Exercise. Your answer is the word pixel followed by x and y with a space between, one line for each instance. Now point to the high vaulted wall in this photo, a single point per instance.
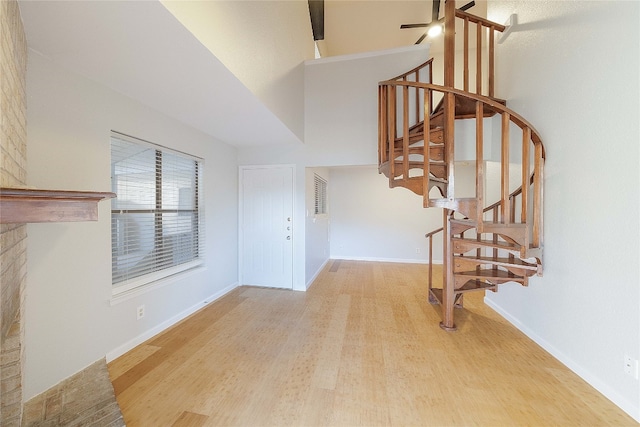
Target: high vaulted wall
pixel 263 43
pixel 579 87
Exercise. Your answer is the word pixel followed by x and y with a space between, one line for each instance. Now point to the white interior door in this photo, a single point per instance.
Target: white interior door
pixel 266 221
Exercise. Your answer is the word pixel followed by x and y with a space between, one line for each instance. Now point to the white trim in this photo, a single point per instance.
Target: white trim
pixel 629 407
pixel 136 341
pixel 132 287
pixel 372 54
pixel 317 273
pixel 375 259
pixel 152 145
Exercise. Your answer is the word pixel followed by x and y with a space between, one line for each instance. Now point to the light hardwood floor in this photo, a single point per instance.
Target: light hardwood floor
pixel 361 348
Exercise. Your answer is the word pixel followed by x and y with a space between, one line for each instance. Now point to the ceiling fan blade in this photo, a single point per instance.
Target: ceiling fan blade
pixel 434 18
pixel 435 14
pixel 422 25
pixel 468 6
pixel 316 13
pixel 435 11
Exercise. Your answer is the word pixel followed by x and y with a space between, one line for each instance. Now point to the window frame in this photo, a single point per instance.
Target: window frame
pixel 157 277
pixel 320 195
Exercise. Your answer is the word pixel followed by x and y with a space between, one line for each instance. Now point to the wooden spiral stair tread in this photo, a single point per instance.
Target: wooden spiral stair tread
pixel 499 261
pixel 462 245
pixel 476 285
pixel 417 138
pixel 500 276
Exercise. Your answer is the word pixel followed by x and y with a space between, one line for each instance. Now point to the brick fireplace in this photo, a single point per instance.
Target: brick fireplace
pixel 87 397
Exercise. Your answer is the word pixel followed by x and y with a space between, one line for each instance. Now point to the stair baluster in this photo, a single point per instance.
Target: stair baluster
pixel 422 156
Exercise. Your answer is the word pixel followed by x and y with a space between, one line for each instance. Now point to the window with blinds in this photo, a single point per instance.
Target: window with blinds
pixel 320 186
pixel 157 216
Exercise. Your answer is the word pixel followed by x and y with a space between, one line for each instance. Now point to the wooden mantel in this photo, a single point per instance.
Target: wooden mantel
pixel 23 205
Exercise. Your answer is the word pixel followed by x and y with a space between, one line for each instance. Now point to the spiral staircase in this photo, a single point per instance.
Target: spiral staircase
pixel 485 243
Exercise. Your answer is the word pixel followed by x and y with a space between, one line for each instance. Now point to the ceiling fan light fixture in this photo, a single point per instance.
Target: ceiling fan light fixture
pixel 435 31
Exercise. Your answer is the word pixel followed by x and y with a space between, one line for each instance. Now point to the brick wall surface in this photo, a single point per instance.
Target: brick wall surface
pixel 13 159
pixel 13 270
pixel 11 377
pixel 13 123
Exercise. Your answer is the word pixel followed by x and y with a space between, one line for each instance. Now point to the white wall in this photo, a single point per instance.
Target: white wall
pixel 317 226
pixel 341 104
pixel 330 139
pixel 578 85
pixel 69 320
pixel 341 130
pixel 262 43
pixel 371 221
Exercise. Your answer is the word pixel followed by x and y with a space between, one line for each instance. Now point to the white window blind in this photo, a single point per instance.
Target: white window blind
pixel 157 217
pixel 320 195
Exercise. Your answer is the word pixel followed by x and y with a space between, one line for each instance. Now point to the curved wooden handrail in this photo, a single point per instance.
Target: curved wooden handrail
pixel 478 20
pixel 516 193
pixel 434 232
pixel 416 69
pixel 520 121
pixel 483 103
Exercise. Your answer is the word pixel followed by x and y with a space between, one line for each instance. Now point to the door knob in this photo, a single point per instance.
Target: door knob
pixel 288 237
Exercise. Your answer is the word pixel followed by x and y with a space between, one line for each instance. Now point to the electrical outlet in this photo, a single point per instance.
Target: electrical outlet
pixel 417 250
pixel 629 367
pixel 140 312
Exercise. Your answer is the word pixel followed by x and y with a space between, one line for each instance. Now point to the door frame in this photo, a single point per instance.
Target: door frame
pixel 241 169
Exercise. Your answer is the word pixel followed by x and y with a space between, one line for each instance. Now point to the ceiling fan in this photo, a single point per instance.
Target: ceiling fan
pixel 435 22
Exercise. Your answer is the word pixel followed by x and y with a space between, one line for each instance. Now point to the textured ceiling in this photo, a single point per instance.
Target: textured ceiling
pixel 355 26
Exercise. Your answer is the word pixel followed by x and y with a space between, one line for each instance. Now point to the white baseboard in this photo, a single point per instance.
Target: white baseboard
pixel 633 409
pixel 310 281
pixel 375 259
pixel 122 349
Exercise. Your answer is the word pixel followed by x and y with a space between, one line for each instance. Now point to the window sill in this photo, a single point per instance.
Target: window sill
pixel 144 284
